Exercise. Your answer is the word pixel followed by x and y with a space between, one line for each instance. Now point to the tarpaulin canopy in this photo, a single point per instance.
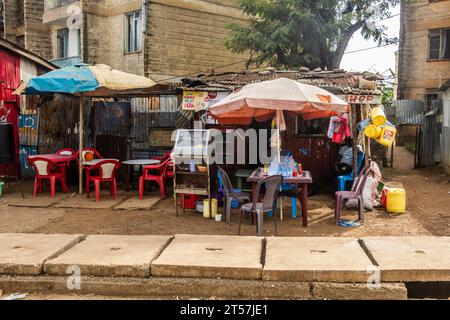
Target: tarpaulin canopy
pixel 85 80
pixel 263 100
pixel 96 80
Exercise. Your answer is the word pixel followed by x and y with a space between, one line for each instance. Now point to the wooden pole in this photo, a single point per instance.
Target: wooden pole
pixel 355 139
pixel 80 147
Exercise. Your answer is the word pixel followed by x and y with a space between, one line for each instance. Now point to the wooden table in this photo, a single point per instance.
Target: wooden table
pixel 136 162
pixel 301 181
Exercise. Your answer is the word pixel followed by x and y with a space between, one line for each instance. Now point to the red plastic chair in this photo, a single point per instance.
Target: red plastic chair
pixel 160 179
pixel 106 173
pixel 97 154
pixel 69 152
pixel 66 151
pixel 88 170
pixel 164 157
pixel 169 170
pixel 48 169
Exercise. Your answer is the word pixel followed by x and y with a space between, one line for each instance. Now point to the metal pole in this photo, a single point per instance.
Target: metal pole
pixel 80 147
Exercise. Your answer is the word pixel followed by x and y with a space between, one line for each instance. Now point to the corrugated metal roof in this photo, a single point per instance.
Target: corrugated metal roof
pixel 337 81
pixel 5 44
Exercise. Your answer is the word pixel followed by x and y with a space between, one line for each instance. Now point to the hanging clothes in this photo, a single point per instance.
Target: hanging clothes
pixel 341 129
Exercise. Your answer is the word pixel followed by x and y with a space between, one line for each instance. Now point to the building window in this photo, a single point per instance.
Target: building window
pixel 78 42
pixel 431 99
pixel 133 32
pixel 62 38
pixel 312 127
pixel 20 40
pixel 439 44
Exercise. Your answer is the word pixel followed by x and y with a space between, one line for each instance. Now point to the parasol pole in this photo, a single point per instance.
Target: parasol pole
pixel 278 124
pixel 80 147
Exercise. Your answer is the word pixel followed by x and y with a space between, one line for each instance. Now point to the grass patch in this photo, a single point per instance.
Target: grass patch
pixel 410 146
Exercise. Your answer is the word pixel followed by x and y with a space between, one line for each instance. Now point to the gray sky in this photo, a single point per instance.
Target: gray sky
pixel 379 59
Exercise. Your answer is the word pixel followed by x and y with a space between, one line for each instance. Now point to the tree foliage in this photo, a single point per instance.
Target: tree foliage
pixel 311 33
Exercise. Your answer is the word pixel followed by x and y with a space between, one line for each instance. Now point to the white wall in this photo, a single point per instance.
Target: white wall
pixel 445 137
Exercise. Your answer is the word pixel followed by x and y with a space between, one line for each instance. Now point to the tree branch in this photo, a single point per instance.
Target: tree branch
pixel 342 46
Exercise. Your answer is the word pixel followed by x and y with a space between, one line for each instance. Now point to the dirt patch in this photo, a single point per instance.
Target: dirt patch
pixel 428 213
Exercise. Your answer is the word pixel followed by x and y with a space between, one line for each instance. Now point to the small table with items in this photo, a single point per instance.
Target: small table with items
pixel 129 172
pixel 240 175
pixel 302 180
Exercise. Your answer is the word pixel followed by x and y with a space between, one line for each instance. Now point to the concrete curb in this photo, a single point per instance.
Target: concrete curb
pixel 205 288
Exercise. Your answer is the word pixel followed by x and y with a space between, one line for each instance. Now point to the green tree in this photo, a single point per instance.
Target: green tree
pixel 311 33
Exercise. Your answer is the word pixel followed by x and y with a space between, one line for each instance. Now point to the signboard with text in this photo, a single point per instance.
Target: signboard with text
pixel 361 99
pixel 201 100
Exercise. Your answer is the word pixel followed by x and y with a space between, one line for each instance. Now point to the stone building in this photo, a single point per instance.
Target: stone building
pixel 424 55
pixel 162 39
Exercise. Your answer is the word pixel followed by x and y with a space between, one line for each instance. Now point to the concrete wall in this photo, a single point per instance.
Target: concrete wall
pixel 183 36
pixel 10 22
pixel 445 136
pixel 186 37
pixel 417 74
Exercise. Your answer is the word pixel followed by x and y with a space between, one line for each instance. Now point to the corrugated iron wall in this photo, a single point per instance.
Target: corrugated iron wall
pixel 429 147
pixel 153 120
pixel 111 129
pixel 9 103
pixel 28 137
pixel 316 154
pixel 445 136
pixel 409 111
pixel 59 123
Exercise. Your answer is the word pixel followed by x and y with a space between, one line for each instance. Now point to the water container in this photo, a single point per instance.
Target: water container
pixel 363 124
pixel 206 208
pixel 7 152
pixel 396 200
pixel 372 131
pixel 378 117
pixel 387 136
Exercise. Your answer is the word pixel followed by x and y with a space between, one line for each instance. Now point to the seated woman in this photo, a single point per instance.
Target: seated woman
pixel 344 165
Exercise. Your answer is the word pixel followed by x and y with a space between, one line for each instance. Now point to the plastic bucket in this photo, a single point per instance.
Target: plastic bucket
pixel 378 117
pixel 396 200
pixel 372 131
pixel 1 187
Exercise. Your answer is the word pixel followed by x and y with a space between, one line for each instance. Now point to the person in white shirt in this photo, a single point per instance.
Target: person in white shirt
pixel 345 160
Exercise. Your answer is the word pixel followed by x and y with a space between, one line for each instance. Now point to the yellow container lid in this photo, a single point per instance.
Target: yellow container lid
pixel 378 117
pixel 372 131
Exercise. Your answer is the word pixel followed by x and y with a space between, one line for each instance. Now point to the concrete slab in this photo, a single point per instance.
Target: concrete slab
pixel 82 202
pixel 315 259
pixel 42 200
pixel 411 258
pixel 104 255
pixel 210 256
pixel 25 254
pixel 135 203
pixel 359 291
pixel 161 288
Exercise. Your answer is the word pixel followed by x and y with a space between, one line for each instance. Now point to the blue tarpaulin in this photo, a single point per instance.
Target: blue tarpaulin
pixel 72 79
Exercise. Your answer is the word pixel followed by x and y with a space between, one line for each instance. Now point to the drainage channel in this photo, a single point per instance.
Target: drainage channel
pixel 428 290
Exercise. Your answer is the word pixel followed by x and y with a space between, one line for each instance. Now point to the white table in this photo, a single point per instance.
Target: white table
pixel 136 162
pixel 93 162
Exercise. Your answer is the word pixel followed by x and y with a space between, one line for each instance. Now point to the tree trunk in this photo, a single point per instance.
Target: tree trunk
pixel 342 46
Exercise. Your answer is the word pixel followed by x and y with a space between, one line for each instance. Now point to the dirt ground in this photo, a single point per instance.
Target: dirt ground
pixel 428 213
